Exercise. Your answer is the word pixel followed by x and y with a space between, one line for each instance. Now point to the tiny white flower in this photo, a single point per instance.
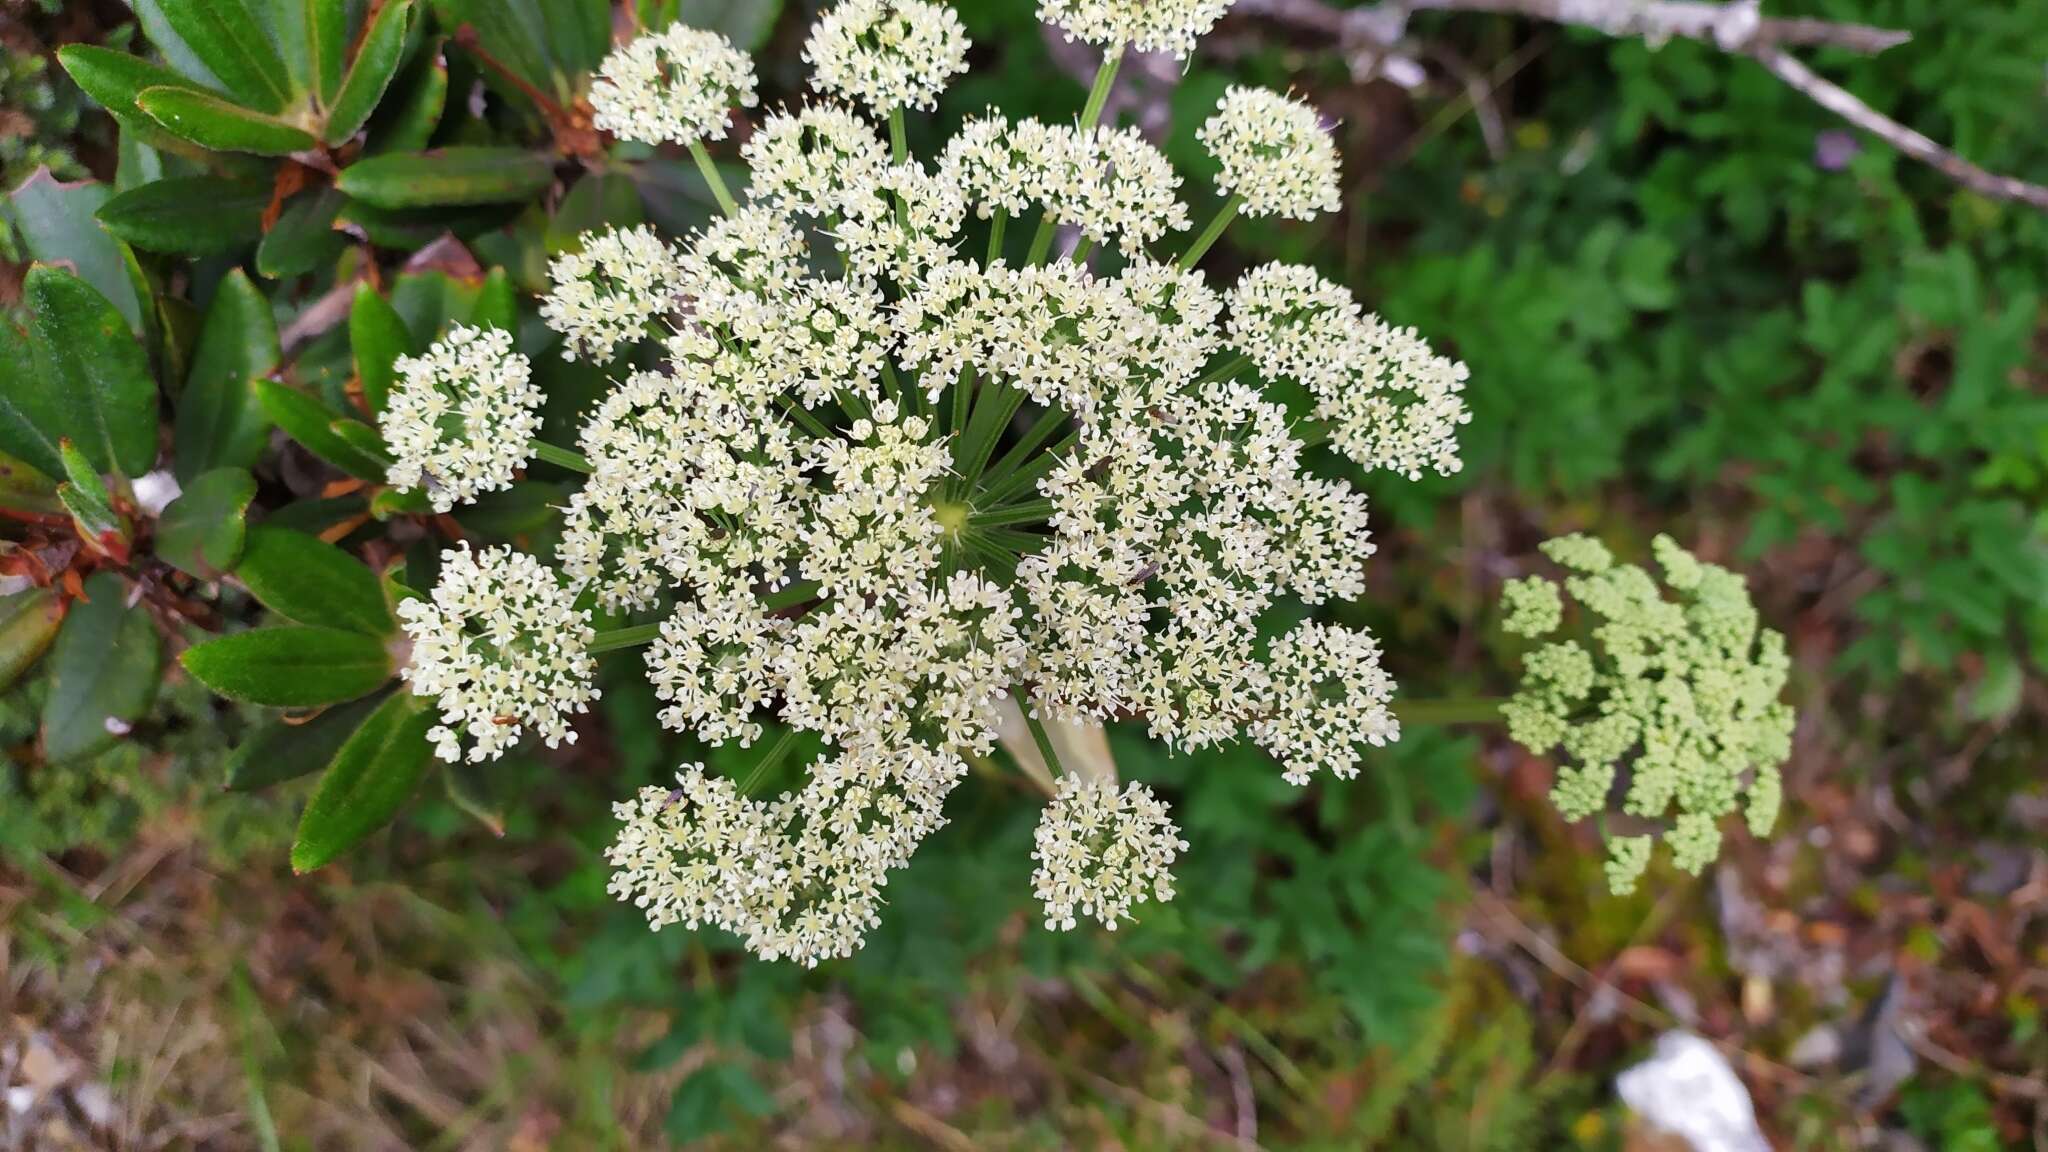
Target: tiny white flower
pixel 610 292
pixel 1274 153
pixel 672 87
pixel 461 419
pixel 502 648
pixel 887 54
pixel 1101 851
pixel 1170 26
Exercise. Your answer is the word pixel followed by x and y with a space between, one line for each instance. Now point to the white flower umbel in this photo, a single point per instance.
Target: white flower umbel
pixel 502 648
pixel 814 161
pixel 611 291
pixel 672 87
pixel 1274 154
pixel 1390 401
pixel 1100 851
pixel 1327 696
pixel 461 418
pixel 1170 26
pixel 887 54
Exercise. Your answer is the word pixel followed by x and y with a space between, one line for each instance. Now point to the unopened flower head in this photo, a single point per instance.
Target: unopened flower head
pixel 461 419
pixel 1170 26
pixel 609 293
pixel 503 649
pixel 887 54
pixel 1683 691
pixel 1274 154
pixel 1101 850
pixel 672 87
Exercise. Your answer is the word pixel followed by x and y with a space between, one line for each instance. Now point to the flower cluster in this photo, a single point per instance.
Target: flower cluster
pixel 899 463
pixel 502 647
pixel 673 87
pixel 1100 850
pixel 460 420
pixel 1273 153
pixel 1681 695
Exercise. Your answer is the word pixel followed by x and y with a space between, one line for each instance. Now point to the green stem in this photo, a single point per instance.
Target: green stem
pixel 618 638
pixel 995 236
pixel 1041 240
pixel 711 177
pixel 1225 370
pixel 561 457
pixel 1013 514
pixel 1098 94
pixel 776 755
pixel 803 416
pixel 1037 434
pixel 899 140
pixel 1224 216
pixel 1039 736
pixel 790 596
pixel 1000 492
pixel 1449 710
pixel 1080 253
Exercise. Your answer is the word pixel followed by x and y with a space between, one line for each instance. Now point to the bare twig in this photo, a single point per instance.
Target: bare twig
pixel 1736 27
pixel 1837 99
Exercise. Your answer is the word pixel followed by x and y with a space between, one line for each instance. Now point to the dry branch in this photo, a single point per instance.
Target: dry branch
pixel 1737 27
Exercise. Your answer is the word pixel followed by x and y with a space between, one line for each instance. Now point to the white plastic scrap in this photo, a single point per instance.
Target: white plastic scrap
pixel 1687 1089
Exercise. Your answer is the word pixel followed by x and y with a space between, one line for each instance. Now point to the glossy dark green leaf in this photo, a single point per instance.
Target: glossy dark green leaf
pixel 202 531
pixel 375 64
pixel 448 176
pixel 367 442
pixel 746 23
pixel 114 79
pixel 211 122
pixel 311 423
pixel 57 226
pixel 84 495
pixel 377 335
pixel 309 581
pixel 232 40
pixel 286 749
pixel 579 33
pixel 371 778
pixel 292 667
pixel 406 120
pixel 104 670
pixel 28 622
pixel 414 228
pixel 497 303
pixel 188 215
pixel 327 42
pixel 101 394
pixel 221 422
pixel 304 236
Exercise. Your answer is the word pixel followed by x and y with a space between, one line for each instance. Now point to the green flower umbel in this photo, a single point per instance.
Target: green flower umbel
pixel 1683 693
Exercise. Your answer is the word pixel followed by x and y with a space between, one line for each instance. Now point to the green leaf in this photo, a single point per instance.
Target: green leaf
pixel 412 110
pixel 232 41
pixel 448 176
pixel 510 30
pixel 23 488
pixel 497 304
pixel 376 62
pixel 103 671
pixel 579 33
pixel 28 622
pixel 364 440
pixel 304 236
pixel 286 750
pixel 221 422
pixel 311 423
pixel 599 200
pixel 373 775
pixel 746 23
pixel 309 581
pixel 211 122
pixel 30 421
pixel 378 337
pixel 292 667
pixel 327 40
pixel 202 532
pixel 57 226
pixel 101 395
pixel 114 79
pixel 85 496
pixel 188 215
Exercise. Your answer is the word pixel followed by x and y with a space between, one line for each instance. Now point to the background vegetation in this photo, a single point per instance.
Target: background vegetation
pixel 1691 301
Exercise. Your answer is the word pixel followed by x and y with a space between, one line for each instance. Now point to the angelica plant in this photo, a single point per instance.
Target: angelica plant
pixel 900 466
